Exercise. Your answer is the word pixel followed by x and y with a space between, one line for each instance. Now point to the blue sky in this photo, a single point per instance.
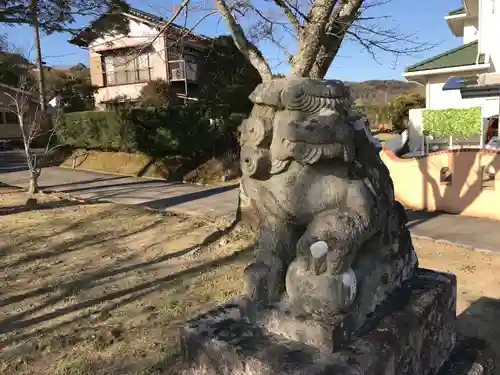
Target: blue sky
pixel 425 17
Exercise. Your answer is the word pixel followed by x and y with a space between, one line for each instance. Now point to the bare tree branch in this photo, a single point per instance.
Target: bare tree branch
pixel 33 122
pixel 249 50
pixel 287 8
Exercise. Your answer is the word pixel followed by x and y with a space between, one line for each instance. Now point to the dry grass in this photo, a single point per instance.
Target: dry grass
pixel 100 289
pixel 478 295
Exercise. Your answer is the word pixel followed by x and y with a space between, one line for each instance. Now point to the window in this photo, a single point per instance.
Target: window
pixel 11 118
pixel 7 117
pixel 445 176
pixel 122 69
pixel 488 177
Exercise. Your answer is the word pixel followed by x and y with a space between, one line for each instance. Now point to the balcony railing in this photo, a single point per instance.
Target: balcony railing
pixel 121 77
pixel 181 70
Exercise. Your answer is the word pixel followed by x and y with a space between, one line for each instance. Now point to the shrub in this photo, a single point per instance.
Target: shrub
pixel 157 93
pixel 400 109
pixel 94 129
pixel 452 122
pixel 188 130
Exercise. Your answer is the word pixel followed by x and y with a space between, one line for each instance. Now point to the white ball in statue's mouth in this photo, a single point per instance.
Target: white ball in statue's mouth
pixel 318 249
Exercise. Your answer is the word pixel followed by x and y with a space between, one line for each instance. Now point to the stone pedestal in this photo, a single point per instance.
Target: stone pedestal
pixel 411 333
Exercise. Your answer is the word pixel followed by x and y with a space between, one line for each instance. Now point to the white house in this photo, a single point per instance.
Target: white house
pixel 466 76
pixel 478 58
pixel 121 65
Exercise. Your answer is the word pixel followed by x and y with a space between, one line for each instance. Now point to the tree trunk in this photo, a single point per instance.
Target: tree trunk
pixel 33 189
pixel 32 165
pixel 39 62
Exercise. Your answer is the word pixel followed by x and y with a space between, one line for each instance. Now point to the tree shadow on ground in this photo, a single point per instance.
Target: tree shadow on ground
pixel 416 217
pixel 110 301
pixel 480 320
pixel 100 276
pixel 11 210
pixel 184 198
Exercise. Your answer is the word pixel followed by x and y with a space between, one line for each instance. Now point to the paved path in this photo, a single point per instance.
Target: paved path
pixel 219 201
pixel 480 234
pixel 158 194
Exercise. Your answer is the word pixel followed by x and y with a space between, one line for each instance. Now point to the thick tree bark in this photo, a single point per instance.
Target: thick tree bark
pixel 33 188
pixel 335 31
pixel 311 38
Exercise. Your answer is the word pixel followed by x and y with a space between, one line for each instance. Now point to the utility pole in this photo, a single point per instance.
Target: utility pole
pixel 39 62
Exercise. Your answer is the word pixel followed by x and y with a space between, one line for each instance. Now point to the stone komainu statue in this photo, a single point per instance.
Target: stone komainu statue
pixel 329 222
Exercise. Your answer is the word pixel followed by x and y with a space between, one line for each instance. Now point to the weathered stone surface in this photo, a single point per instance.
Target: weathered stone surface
pixel 411 333
pixel 331 240
pixel 381 271
pixel 335 287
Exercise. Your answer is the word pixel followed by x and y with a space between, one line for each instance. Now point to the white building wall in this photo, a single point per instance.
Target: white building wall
pixel 439 99
pixel 140 34
pixel 490 31
pixel 470 31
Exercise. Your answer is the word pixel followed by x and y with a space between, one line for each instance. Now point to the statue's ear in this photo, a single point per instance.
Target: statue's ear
pixel 255 131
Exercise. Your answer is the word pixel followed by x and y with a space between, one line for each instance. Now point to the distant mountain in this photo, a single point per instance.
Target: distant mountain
pixel 378 91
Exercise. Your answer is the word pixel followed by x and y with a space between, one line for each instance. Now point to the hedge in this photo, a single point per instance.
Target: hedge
pixel 182 130
pixel 452 122
pixel 94 130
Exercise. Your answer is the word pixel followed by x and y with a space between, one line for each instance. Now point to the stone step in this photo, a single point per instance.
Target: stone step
pixel 411 333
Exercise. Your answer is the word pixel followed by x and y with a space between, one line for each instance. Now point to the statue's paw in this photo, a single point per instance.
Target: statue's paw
pixel 256 282
pixel 322 294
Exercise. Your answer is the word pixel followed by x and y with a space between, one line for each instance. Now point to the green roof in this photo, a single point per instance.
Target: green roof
pixel 456 12
pixel 460 56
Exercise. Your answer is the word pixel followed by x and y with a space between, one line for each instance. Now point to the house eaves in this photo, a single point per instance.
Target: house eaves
pixel 462 58
pixel 87 35
pixel 456 12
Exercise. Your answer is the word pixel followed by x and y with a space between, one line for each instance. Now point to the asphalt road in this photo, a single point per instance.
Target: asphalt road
pixel 220 201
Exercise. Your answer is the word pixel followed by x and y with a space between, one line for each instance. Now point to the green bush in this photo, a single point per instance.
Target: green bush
pixel 94 130
pixel 452 122
pixel 156 131
pixel 400 109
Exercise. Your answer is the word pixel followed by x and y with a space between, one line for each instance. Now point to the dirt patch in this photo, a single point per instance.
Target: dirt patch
pixel 215 170
pixel 101 288
pixel 138 164
pixel 478 296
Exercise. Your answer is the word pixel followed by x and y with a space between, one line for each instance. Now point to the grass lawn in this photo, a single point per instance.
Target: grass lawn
pixel 102 288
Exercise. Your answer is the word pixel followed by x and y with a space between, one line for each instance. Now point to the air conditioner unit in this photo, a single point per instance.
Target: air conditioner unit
pixel 178 74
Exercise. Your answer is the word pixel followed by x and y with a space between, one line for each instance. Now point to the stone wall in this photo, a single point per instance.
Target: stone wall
pixel 463 182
